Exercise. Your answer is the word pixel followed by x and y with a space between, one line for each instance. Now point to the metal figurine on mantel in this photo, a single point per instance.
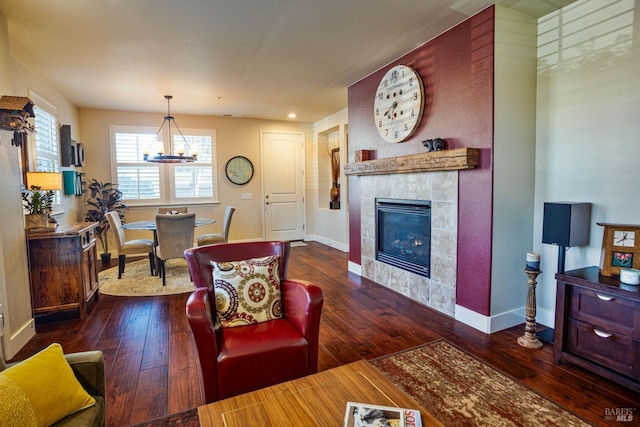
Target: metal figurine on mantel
pixel 435 144
pixel 532 269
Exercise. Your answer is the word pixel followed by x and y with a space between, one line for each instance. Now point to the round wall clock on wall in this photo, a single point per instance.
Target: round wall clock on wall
pixel 399 103
pixel 239 170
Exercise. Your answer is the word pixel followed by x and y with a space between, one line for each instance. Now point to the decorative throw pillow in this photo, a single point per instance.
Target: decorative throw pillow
pixel 41 390
pixel 247 291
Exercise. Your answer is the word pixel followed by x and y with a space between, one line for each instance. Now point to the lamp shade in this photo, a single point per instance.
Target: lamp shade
pixel 44 180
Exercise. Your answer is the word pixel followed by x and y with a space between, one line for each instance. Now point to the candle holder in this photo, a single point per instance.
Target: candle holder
pixel 529 339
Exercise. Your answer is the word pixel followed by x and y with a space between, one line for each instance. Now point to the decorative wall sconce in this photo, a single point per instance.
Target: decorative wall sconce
pixel 15 112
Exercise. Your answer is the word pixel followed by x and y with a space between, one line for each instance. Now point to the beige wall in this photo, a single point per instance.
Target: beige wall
pixel 587 149
pixel 234 136
pixel 15 296
pixel 330 227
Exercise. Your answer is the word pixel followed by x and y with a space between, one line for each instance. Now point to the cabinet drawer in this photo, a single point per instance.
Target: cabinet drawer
pixel 605 347
pixel 605 310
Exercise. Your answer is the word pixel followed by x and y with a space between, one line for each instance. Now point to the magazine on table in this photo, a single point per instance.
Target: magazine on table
pixel 367 415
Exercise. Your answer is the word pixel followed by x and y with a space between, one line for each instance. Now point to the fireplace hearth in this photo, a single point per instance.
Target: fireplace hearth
pixel 403 234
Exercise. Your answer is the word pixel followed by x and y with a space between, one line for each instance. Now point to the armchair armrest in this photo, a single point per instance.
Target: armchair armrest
pixel 201 321
pixel 88 368
pixel 302 307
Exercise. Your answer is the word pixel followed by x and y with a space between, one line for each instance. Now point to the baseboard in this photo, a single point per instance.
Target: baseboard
pixel 489 324
pixel 12 345
pixel 546 317
pixel 354 268
pixel 328 242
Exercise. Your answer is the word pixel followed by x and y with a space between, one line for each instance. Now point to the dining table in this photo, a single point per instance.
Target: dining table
pixel 150 225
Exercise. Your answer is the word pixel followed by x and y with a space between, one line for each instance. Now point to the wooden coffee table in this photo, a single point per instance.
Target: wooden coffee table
pixel 316 400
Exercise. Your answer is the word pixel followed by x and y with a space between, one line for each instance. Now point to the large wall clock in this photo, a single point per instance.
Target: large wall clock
pixel 239 170
pixel 399 103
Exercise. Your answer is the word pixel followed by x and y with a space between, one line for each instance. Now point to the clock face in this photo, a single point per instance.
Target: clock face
pixel 239 170
pixel 624 238
pixel 399 102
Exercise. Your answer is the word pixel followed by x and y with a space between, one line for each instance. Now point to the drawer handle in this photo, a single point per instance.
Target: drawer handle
pixel 604 297
pixel 601 334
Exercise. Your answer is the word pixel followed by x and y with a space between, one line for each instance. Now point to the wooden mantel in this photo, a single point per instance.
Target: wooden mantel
pixel 446 160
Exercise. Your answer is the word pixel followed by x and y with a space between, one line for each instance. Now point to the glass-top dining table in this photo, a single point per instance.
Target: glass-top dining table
pixel 150 225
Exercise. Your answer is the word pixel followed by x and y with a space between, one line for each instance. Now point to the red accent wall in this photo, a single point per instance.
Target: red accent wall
pixel 457 71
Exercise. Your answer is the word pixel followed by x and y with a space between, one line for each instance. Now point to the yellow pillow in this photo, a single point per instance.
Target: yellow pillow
pixel 41 390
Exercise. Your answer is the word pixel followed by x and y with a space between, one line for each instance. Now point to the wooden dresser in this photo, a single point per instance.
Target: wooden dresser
pixel 62 268
pixel 598 325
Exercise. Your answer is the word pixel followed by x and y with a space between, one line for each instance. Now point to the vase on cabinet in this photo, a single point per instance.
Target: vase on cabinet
pixel 334 195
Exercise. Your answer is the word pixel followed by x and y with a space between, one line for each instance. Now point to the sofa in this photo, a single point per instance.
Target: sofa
pixel 88 368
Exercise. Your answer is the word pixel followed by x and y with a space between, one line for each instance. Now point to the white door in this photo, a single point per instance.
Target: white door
pixel 283 181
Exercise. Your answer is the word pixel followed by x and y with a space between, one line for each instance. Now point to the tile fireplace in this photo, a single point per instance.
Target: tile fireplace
pixel 438 191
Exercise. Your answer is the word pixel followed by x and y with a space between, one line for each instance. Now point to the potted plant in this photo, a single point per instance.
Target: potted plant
pixel 104 197
pixel 38 203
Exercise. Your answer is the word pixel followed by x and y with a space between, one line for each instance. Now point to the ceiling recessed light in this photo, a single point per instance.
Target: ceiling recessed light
pixel 292 115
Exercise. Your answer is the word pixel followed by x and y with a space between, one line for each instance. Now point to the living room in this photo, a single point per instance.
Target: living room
pixel 580 114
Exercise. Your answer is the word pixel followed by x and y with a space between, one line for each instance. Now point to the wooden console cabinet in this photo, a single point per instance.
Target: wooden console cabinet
pixel 63 269
pixel 598 325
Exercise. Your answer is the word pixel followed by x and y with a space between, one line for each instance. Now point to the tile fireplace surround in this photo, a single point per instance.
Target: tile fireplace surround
pixel 441 188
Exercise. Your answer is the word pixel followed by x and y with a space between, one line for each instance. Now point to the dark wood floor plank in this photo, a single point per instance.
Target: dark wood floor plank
pixel 123 382
pixel 152 368
pixel 156 346
pixel 151 398
pixel 184 374
pixel 326 359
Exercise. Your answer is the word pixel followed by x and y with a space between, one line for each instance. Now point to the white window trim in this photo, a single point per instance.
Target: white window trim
pixel 43 104
pixel 166 177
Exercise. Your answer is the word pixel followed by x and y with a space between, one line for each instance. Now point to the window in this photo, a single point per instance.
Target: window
pixel 145 183
pixel 45 149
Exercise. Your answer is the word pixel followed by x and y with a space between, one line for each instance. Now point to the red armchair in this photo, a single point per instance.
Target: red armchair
pixel 245 358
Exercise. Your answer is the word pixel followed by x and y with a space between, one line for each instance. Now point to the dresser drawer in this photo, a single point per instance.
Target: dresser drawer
pixel 605 310
pixel 605 347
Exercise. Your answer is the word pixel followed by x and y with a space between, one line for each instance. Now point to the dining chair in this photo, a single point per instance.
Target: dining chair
pixel 129 247
pixel 175 235
pixel 173 210
pixel 211 239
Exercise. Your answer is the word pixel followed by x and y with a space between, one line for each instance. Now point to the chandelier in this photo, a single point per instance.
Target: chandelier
pixel 179 156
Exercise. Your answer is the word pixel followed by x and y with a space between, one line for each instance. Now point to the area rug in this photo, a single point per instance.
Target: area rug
pixel 136 280
pixel 459 390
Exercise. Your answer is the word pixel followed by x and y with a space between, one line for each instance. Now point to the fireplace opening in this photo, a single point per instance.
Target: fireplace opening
pixel 403 234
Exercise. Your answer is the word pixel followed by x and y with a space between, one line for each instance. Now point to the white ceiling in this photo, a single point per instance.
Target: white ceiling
pixel 248 58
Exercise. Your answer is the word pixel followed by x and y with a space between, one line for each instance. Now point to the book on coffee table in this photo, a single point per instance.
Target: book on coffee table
pixel 368 415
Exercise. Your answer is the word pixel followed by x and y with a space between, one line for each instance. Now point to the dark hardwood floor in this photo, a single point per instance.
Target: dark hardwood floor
pixel 152 367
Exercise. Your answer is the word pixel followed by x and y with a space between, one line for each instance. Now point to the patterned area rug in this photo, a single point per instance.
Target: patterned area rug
pixel 459 390
pixel 137 281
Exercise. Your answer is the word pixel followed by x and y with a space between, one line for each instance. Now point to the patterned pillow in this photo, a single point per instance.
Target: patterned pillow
pixel 247 291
